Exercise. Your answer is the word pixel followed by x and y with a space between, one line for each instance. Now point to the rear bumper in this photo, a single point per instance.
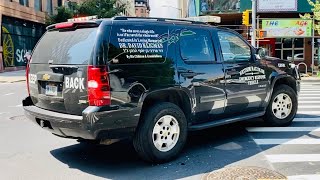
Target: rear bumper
pixel 93 124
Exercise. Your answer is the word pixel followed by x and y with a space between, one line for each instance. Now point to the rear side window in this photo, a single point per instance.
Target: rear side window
pixel 130 44
pixel 196 46
pixel 65 47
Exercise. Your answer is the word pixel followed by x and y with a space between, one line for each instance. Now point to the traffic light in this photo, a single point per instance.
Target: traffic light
pixel 246 17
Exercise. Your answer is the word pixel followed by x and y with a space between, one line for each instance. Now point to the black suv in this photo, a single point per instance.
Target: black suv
pixel 152 80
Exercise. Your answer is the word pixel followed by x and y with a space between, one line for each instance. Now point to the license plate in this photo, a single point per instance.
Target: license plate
pixel 51 90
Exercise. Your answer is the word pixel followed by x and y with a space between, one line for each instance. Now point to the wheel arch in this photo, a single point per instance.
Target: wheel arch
pixel 177 96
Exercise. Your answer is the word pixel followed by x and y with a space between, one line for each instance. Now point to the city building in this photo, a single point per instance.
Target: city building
pixel 22 24
pixel 282 45
pixel 183 7
pixel 130 7
pixel 142 8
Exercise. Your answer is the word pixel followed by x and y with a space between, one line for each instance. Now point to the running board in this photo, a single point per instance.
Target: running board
pixel 221 122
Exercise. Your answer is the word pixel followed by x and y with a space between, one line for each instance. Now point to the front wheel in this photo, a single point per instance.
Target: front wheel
pixel 161 134
pixel 282 107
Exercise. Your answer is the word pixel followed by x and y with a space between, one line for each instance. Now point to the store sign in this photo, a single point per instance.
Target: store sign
pixel 277 5
pixel 287 28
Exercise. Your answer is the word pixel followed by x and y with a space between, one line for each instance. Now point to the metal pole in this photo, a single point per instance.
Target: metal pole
pixel 258 27
pixel 254 23
pixel 312 68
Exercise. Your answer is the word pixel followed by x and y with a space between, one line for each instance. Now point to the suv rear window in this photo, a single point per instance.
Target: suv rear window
pixel 130 44
pixel 65 47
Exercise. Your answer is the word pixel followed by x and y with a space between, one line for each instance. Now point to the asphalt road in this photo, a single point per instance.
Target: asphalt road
pixel 28 152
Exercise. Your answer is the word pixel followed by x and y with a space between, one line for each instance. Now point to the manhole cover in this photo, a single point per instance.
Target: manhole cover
pixel 244 173
pixel 18 118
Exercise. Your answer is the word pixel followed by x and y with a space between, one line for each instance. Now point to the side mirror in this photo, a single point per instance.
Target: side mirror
pixel 27 57
pixel 261 52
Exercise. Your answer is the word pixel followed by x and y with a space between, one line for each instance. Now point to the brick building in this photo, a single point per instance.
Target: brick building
pixel 22 24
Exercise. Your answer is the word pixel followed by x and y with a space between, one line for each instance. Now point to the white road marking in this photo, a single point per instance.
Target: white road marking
pixel 304 177
pixel 20 105
pixel 309 102
pixel 306 120
pixel 309 106
pixel 310 98
pixel 281 158
pixel 283 129
pixel 8 94
pixel 309 112
pixel 300 141
pixel 309 94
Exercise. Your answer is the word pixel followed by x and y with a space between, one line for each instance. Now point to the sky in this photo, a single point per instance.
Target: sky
pixel 164 8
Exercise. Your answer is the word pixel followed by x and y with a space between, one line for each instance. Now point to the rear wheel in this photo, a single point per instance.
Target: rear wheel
pixel 282 107
pixel 161 134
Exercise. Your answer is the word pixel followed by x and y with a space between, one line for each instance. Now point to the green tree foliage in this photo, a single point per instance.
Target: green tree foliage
pixel 316 14
pixel 101 8
pixel 63 14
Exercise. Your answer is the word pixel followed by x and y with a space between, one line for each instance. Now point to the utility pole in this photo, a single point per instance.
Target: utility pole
pixel 254 23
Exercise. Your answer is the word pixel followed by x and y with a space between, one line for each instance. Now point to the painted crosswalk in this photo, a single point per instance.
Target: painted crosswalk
pixel 296 146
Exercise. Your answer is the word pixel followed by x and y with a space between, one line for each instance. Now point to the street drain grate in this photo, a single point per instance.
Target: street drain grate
pixel 244 173
pixel 18 118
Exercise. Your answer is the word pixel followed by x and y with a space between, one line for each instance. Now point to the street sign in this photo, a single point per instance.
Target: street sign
pixel 277 5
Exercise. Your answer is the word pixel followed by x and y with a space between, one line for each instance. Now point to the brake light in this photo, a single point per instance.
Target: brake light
pixel 27 77
pixel 64 25
pixel 98 86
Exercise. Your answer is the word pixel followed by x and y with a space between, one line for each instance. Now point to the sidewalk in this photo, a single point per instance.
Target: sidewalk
pixel 13 76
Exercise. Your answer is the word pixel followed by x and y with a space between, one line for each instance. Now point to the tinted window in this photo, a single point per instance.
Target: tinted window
pixel 196 46
pixel 138 44
pixel 65 47
pixel 234 49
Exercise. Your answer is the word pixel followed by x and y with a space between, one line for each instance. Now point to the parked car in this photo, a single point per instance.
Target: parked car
pixel 153 80
pixel 300 57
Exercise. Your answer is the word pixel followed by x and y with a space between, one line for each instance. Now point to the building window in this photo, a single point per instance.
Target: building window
pixel 142 11
pixel 38 5
pixel 59 3
pixel 24 2
pixel 49 7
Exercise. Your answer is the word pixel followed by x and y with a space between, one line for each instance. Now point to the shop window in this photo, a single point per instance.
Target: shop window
pixel 299 43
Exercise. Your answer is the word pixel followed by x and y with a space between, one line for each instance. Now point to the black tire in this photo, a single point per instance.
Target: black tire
pixel 143 139
pixel 270 118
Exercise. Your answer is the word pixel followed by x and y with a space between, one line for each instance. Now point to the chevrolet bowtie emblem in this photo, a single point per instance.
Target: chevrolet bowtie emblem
pixel 46 77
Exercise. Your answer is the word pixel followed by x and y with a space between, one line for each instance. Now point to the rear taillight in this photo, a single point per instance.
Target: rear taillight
pixel 27 77
pixel 98 86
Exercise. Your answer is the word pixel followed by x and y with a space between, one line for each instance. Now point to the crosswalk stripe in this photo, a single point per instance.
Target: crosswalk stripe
pixel 310 98
pixel 283 129
pixel 309 112
pixel 309 94
pixel 308 106
pixel 281 158
pixel 306 120
pixel 309 102
pixel 300 141
pixel 304 177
